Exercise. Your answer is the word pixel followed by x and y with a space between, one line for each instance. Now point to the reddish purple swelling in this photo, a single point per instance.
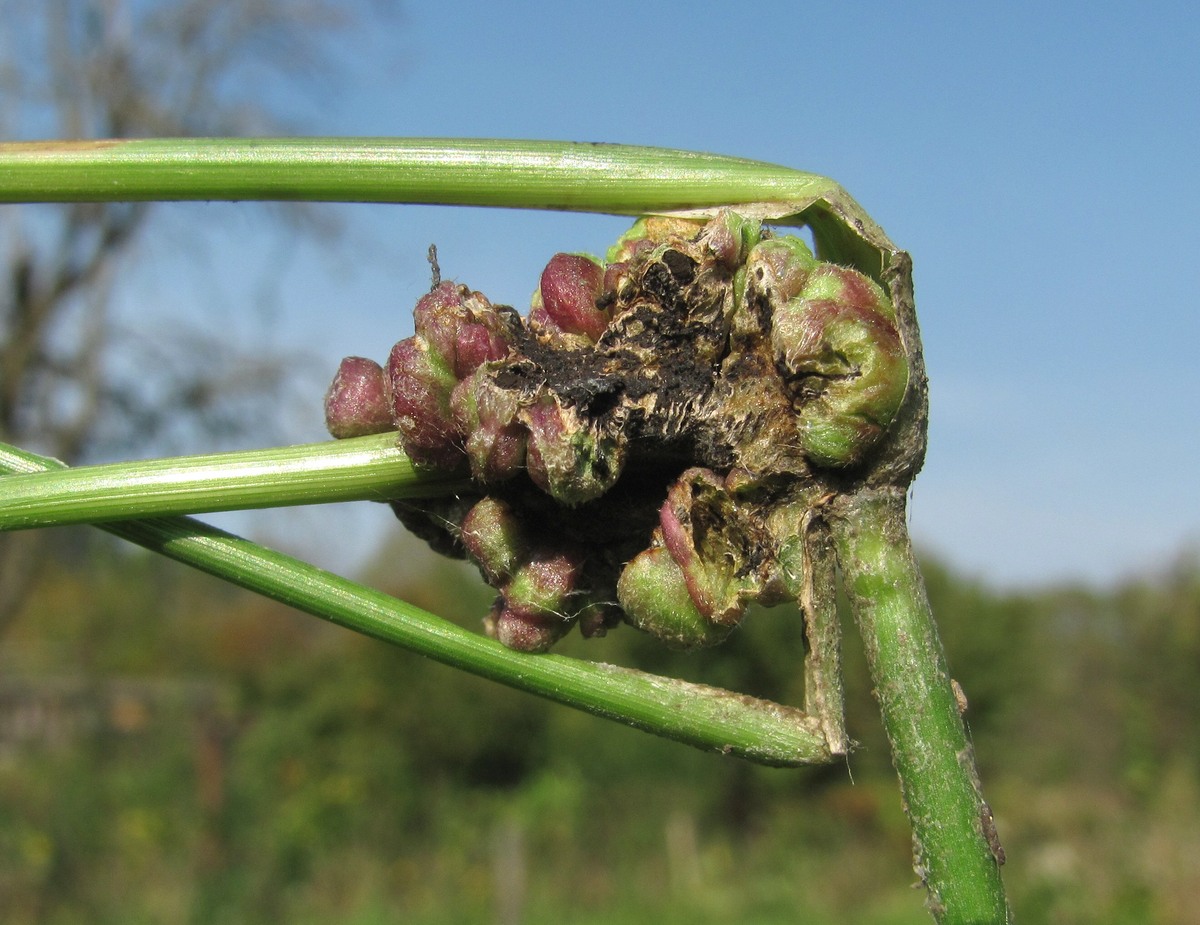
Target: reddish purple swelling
pixel 495 440
pixel 534 609
pixel 462 328
pixel 524 632
pixel 421 390
pixel 358 401
pixel 571 284
pixel 675 518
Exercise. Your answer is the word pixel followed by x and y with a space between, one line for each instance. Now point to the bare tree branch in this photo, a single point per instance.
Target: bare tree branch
pixel 127 68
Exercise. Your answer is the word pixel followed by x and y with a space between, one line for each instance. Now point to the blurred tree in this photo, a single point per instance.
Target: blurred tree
pixel 1159 671
pixel 128 68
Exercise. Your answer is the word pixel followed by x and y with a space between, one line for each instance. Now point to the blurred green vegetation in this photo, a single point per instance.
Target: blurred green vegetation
pixel 172 750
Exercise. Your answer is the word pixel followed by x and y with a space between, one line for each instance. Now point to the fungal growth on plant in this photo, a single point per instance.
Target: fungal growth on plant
pixel 643 445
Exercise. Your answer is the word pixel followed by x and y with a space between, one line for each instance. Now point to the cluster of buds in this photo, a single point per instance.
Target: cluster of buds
pixel 457 331
pixel 642 443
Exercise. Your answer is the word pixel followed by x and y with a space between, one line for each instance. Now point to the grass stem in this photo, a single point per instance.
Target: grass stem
pixel 361 468
pixel 706 717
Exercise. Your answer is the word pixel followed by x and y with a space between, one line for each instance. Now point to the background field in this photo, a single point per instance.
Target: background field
pixel 173 751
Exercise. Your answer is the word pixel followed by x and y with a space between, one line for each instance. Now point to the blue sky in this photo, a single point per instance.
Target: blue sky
pixel 1037 160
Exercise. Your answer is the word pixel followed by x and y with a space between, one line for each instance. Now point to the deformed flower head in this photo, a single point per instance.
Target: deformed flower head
pixel 634 441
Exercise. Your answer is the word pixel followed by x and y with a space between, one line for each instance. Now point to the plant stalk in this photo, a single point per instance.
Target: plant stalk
pixel 563 176
pixel 956 850
pixel 361 468
pixel 706 717
pixel 486 172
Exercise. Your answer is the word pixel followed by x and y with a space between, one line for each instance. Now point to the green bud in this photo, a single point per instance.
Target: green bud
pixel 493 537
pixel 837 346
pixel 654 594
pixel 779 267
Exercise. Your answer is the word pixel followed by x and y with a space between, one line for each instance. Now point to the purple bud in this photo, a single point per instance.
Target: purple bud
pixel 524 632
pixel 462 327
pixel 495 439
pixel 358 401
pixel 421 387
pixel 570 286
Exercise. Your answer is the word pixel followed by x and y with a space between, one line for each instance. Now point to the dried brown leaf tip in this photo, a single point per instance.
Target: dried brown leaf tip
pixel 644 443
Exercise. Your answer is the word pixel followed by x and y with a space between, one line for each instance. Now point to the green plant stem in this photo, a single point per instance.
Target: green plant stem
pixel 362 468
pixel 954 845
pixel 570 176
pixel 706 717
pixel 524 174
